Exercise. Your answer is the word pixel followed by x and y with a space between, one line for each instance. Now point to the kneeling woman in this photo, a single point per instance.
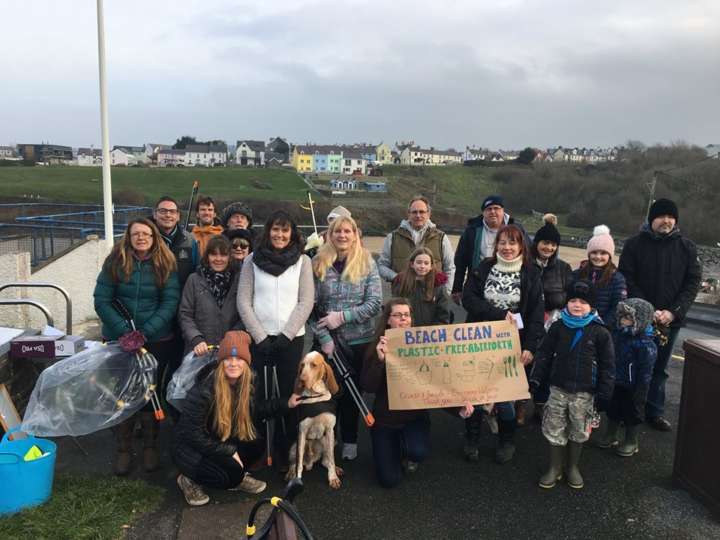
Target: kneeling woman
pixel 398 437
pixel 216 438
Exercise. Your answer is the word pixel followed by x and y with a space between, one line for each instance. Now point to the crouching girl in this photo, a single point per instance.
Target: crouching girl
pixel 216 438
pixel 577 358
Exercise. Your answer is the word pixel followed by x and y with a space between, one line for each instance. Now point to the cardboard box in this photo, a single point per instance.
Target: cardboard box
pixel 46 346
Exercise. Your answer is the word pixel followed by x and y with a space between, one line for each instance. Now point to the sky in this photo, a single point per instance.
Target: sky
pixel 502 74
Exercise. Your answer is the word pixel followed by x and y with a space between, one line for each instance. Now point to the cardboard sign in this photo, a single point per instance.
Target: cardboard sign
pixel 445 366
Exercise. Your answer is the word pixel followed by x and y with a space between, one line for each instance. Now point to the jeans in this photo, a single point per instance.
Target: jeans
pixel 656 393
pixel 391 445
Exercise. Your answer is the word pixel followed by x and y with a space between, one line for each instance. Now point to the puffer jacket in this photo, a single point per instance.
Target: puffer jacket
pixel 360 303
pixel 607 297
pixel 532 303
pixel 662 269
pixel 424 312
pixel 635 357
pixel 200 317
pixel 194 436
pixel 555 278
pixel 587 367
pixel 151 307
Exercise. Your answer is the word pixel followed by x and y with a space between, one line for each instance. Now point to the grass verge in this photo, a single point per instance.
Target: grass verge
pixel 84 507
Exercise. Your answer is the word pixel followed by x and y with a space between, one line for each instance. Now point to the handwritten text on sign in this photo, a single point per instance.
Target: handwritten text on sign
pixel 445 366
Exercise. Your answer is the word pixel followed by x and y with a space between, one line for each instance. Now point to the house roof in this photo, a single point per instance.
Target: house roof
pixel 89 152
pixel 172 151
pixel 130 149
pixel 256 146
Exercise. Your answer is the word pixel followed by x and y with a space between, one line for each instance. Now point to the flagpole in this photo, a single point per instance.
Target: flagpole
pixel 107 184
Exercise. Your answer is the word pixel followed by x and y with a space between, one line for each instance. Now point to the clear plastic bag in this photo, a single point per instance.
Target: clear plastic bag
pixel 185 376
pixel 92 390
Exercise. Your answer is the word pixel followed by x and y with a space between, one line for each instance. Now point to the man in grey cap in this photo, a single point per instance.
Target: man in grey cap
pixel 414 232
pixel 237 215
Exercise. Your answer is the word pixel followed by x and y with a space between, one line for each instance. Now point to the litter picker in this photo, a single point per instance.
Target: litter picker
pixel 341 370
pixel 193 194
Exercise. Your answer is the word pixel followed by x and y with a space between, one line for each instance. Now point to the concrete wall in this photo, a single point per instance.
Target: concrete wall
pixel 76 272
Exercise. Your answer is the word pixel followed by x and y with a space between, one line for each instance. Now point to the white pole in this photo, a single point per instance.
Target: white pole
pixel 107 184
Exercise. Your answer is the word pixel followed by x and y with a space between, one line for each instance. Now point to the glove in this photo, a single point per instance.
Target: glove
pixel 281 342
pixel 132 341
pixel 332 320
pixel 313 242
pixel 328 348
pixel 602 404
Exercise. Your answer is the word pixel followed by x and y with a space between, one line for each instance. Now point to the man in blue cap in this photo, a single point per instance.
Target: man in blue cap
pixel 478 240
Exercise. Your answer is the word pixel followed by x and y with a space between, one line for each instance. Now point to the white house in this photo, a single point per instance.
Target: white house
pixel 250 153
pixel 414 155
pixel 171 157
pixel 137 155
pixel 204 155
pixel 354 163
pixel 89 157
pixel 121 158
pixel 713 150
pixel 9 153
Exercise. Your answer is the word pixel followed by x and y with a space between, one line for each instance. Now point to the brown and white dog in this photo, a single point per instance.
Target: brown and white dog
pixel 316 437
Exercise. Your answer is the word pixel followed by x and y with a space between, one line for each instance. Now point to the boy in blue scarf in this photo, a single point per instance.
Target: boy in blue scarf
pixel 577 358
pixel 635 354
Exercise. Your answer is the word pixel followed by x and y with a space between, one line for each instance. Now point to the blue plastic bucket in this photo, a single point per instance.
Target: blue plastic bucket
pixel 25 483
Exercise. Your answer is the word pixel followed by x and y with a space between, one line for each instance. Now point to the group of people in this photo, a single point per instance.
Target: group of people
pixel 588 336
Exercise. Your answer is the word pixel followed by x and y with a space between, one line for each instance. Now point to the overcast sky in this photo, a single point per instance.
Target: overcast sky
pixel 500 73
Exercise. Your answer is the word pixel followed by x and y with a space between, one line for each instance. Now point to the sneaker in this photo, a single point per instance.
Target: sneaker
pixel 194 495
pixel 660 423
pixel 349 451
pixel 410 466
pixel 250 485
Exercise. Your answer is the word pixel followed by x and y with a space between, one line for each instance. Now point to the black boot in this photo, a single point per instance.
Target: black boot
pixel 150 434
pixel 123 438
pixel 473 425
pixel 506 445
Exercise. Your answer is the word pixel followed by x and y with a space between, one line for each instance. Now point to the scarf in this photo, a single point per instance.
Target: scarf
pixel 219 282
pixel 276 262
pixel 509 266
pixel 571 321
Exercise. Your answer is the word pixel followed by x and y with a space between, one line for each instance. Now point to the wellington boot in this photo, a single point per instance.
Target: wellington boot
pixel 150 433
pixel 574 478
pixel 629 447
pixel 554 473
pixel 123 456
pixel 609 438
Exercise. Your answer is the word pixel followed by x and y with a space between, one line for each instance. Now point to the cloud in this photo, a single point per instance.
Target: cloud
pixel 502 74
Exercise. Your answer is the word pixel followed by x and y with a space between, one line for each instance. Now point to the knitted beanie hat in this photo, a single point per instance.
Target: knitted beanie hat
pixel 582 289
pixel 237 208
pixel 663 207
pixel 548 231
pixel 601 241
pixel 338 211
pixel 236 343
pixel 640 311
pixel 245 234
pixel 492 200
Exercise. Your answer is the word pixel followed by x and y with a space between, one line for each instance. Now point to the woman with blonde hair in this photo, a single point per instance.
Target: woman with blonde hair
pixel 348 296
pixel 217 439
pixel 140 273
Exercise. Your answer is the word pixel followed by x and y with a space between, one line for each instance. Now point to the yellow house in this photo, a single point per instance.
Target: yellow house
pixel 302 159
pixel 383 154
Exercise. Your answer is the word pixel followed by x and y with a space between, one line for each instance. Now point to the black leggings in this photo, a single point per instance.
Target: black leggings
pixel 223 472
pixel 348 412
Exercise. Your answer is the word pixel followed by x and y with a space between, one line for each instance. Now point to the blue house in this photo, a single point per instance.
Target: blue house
pixel 375 187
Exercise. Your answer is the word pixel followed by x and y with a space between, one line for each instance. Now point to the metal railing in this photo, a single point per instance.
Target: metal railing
pixel 68 301
pixel 27 302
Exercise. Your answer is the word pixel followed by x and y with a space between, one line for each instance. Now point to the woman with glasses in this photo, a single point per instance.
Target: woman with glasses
pixel 400 439
pixel 208 309
pixel 141 273
pixel 275 297
pixel 502 287
pixel 348 296
pixel 218 437
pixel 241 244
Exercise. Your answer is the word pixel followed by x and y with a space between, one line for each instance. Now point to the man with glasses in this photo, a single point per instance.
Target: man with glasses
pixel 478 240
pixel 207 224
pixel 167 217
pixel 414 232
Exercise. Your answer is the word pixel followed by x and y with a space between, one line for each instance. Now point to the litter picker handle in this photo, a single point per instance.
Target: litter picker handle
pixel 123 311
pixel 193 193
